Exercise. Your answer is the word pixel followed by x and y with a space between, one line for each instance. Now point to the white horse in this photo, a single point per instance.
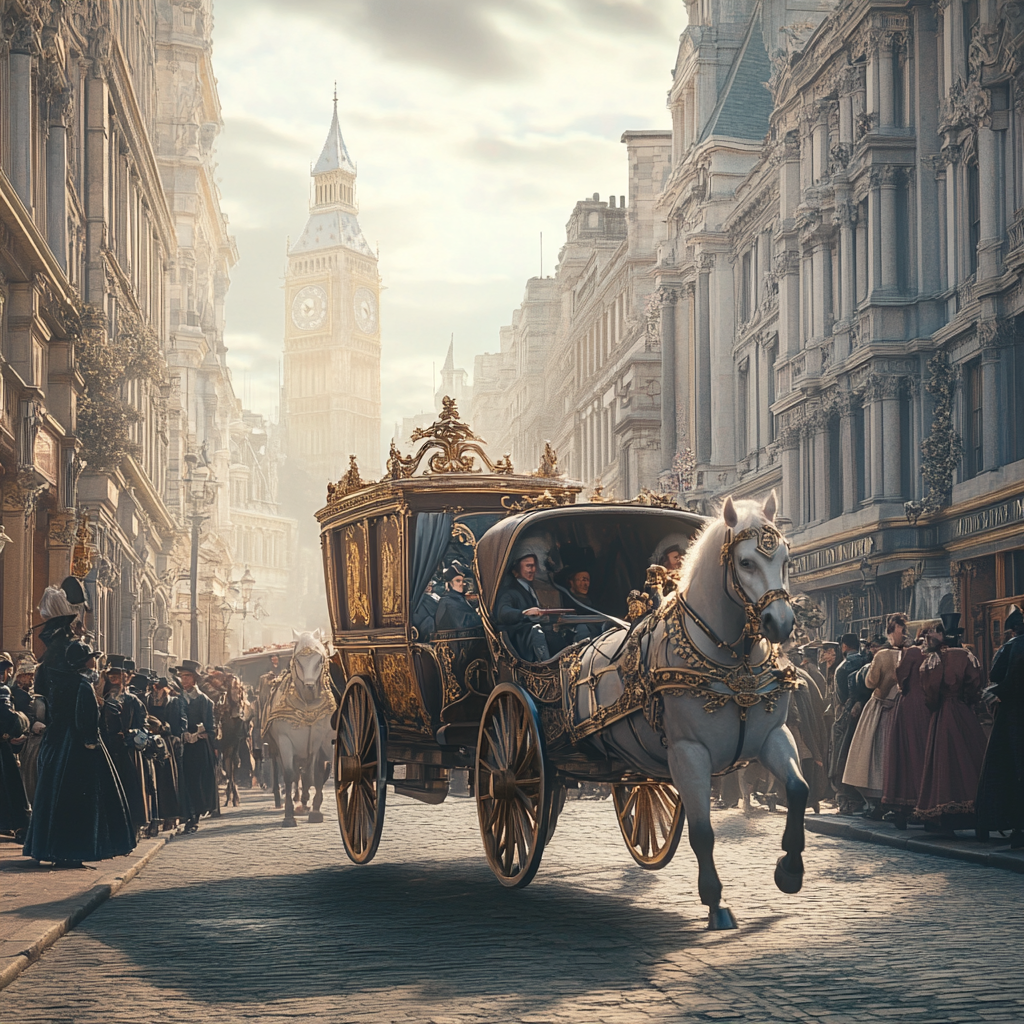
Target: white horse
pixel 297 720
pixel 710 651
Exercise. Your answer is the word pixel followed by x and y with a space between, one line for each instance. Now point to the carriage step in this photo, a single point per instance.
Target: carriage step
pixel 457 735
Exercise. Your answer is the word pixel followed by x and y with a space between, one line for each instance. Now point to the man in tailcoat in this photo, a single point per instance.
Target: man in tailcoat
pixel 518 611
pixel 169 711
pixel 850 699
pixel 1000 802
pixel 14 810
pixel 199 779
pixel 122 717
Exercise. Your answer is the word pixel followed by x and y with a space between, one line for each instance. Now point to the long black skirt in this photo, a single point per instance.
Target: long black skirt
pixel 198 784
pixel 1000 801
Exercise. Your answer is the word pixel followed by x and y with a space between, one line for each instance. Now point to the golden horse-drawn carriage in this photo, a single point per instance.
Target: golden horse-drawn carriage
pixel 413 709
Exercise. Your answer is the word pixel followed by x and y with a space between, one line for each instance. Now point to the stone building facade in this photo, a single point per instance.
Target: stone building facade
pixel 114 258
pixel 580 364
pixel 844 256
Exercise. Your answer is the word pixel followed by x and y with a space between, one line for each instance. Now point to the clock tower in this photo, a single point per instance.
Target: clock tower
pixel 331 396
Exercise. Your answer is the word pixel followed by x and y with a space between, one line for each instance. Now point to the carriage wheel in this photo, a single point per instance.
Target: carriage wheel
pixel 513 787
pixel 651 820
pixel 360 771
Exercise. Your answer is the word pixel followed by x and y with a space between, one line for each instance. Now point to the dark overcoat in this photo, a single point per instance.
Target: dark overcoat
pixel 198 784
pixel 1000 802
pixel 13 801
pixel 80 811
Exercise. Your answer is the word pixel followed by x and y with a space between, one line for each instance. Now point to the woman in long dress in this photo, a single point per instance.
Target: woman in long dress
pixel 80 813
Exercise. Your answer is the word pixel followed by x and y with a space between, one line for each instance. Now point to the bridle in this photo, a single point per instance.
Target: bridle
pixel 768 540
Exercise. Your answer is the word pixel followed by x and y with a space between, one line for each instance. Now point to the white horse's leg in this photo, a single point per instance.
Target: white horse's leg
pixel 287 755
pixel 745 788
pixel 690 764
pixel 781 757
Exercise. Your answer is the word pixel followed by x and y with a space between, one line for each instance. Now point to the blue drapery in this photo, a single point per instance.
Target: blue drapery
pixel 433 533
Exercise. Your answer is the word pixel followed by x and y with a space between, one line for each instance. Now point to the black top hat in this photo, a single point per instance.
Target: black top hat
pixel 161 681
pixel 189 666
pixel 115 662
pixel 951 627
pixel 129 665
pixel 75 592
pixel 78 653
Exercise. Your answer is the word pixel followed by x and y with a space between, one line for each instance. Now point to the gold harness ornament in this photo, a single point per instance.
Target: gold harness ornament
pixel 768 541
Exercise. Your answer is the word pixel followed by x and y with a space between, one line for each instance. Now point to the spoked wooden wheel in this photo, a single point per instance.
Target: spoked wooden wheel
pixel 513 798
pixel 651 820
pixel 360 771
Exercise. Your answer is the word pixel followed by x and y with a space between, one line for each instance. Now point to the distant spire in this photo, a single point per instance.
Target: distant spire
pixel 335 154
pixel 449 363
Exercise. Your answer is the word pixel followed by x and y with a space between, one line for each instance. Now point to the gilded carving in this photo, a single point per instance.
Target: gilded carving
pixel 357 583
pixel 360 665
pixel 391 569
pixel 399 689
pixel 446 659
pixel 457 448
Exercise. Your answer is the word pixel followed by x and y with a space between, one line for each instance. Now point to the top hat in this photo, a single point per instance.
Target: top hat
pixel 75 592
pixel 951 628
pixel 78 652
pixel 129 665
pixel 453 572
pixel 189 666
pixel 115 662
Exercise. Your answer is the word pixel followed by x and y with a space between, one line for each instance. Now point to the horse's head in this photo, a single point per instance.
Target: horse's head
pixel 308 658
pixel 756 557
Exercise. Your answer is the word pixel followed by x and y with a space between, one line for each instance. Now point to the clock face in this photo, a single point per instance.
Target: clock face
pixel 366 310
pixel 309 308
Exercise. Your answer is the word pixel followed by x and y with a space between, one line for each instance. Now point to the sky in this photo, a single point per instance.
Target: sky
pixel 475 124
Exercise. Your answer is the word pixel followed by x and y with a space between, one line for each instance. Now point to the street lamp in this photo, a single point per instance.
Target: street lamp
pixel 200 491
pixel 226 611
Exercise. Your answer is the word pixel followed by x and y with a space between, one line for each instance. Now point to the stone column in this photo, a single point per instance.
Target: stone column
pixel 705 263
pixel 993 335
pixel 789 440
pixel 884 61
pixel 848 451
pixel 991 179
pixel 787 270
pixel 56 180
pixel 667 301
pixel 890 254
pixel 875 232
pixel 849 83
pixel 21 121
pixel 863 262
pixel 820 483
pixel 846 218
pixel 890 443
pixel 684 385
pixel 19 496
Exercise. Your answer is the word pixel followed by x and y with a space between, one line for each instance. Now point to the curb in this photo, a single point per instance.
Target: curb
pixel 951 849
pixel 90 900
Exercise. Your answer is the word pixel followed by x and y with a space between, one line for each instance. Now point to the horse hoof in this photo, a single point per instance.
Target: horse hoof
pixel 786 880
pixel 289 823
pixel 315 817
pixel 721 920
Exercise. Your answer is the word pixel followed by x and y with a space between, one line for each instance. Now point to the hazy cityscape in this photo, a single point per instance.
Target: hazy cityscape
pixel 416 397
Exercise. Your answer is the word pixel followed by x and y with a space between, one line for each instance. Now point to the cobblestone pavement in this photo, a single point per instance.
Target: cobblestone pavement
pixel 249 921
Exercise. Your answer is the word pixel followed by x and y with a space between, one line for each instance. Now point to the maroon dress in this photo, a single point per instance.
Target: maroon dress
pixel 904 756
pixel 956 741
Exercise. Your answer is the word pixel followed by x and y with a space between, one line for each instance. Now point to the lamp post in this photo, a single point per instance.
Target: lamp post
pixel 200 486
pixel 246 584
pixel 868 572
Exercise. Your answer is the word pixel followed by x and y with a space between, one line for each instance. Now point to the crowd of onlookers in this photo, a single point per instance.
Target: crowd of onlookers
pixel 95 753
pixel 910 729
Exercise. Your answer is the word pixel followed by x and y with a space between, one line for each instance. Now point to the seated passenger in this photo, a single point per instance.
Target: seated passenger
pixel 517 610
pixel 576 588
pixel 672 558
pixel 454 611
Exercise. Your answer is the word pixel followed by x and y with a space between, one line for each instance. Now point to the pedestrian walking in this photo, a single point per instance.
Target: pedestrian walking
pixel 198 776
pixel 169 712
pixel 865 767
pixel 14 807
pixel 80 812
pixel 1000 801
pixel 122 717
pixel 851 697
pixel 955 749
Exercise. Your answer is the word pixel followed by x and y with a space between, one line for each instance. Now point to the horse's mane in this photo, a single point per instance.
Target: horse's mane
pixel 708 543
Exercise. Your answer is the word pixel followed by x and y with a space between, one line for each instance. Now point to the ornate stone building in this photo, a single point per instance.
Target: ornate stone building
pixel 114 255
pixel 845 255
pixel 580 363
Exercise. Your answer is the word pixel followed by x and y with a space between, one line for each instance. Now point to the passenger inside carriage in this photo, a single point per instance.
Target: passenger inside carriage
pixel 454 610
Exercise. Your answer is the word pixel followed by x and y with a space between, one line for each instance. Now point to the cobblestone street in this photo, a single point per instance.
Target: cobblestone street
pixel 249 921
